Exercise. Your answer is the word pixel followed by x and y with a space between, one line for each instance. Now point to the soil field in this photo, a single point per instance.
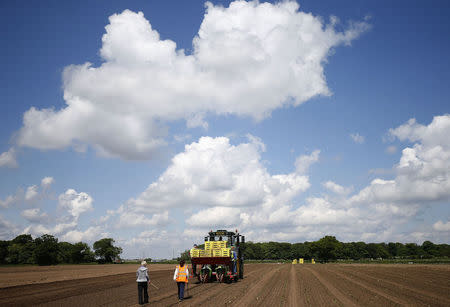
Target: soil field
pixel 263 285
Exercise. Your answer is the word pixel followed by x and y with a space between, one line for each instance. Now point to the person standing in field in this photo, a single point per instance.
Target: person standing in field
pixel 191 251
pixel 181 277
pixel 191 254
pixel 234 259
pixel 142 280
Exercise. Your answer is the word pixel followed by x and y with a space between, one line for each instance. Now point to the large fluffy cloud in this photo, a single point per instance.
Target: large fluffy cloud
pixel 217 184
pixel 212 173
pixel 247 59
pixel 423 172
pixel 213 183
pixel 379 211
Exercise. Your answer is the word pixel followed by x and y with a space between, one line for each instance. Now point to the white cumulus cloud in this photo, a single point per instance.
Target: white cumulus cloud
pixel 214 173
pixel 46 182
pixel 303 162
pixel 75 203
pixel 91 234
pixel 248 59
pixel 441 226
pixel 8 158
pixel 216 184
pixel 423 172
pixel 336 188
pixel 31 193
pixel 215 217
pixel 34 215
pixel 377 212
pixel 132 219
pixel 8 201
pixel 56 230
pixel 8 229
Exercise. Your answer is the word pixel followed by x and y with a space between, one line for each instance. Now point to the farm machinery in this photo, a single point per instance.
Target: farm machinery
pixel 221 259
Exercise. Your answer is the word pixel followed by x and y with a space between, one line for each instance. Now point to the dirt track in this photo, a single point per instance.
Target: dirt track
pixel 263 285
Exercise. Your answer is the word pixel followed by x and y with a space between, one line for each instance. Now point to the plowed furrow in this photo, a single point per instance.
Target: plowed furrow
pixel 253 289
pixel 312 291
pixel 420 279
pixel 341 297
pixel 399 293
pixel 294 298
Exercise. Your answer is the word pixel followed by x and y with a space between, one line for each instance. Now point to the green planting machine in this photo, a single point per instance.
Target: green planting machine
pixel 221 259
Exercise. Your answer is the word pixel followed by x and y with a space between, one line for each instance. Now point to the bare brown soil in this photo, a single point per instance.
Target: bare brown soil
pixel 263 285
pixel 24 275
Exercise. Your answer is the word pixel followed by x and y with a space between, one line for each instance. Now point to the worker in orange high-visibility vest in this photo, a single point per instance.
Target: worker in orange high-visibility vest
pixel 181 276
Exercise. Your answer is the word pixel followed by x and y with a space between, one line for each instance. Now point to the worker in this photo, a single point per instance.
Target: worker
pixel 181 277
pixel 191 253
pixel 142 280
pixel 206 270
pixel 233 259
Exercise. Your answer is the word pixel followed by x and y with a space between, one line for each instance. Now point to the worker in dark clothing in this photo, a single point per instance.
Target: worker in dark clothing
pixel 142 280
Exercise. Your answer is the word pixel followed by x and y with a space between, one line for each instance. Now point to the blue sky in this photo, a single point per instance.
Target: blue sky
pixel 288 123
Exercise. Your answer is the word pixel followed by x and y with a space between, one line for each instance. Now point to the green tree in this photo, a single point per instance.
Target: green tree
pixel 21 249
pixel 402 251
pixel 429 249
pixel 443 250
pixel 327 248
pixel 81 253
pixel 284 251
pixel 106 251
pixel 252 251
pixel 349 251
pixel 377 250
pixel 392 249
pixel 65 252
pixel 361 250
pixel 4 251
pixel 184 256
pixel 412 249
pixel 270 250
pixel 46 250
pixel 22 239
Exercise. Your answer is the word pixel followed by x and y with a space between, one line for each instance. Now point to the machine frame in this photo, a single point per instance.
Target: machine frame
pixel 235 240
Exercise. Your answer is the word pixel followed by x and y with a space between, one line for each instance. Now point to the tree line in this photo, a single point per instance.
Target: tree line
pixel 329 248
pixel 46 250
